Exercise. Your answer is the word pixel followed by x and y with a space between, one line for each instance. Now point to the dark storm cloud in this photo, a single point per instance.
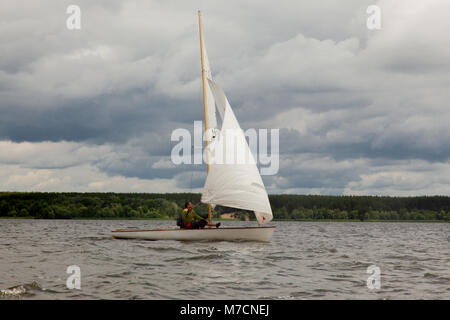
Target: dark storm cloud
pixel 105 119
pixel 362 105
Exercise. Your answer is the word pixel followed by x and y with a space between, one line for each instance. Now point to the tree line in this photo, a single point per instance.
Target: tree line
pixel 41 205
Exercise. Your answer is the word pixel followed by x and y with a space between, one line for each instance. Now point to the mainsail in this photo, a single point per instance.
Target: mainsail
pixel 210 110
pixel 233 179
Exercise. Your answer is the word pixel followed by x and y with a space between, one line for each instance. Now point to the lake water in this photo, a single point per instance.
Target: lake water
pixel 304 260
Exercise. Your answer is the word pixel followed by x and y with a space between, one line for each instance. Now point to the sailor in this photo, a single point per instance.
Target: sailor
pixel 190 219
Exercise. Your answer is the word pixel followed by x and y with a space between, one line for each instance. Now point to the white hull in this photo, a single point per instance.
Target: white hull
pixel 215 234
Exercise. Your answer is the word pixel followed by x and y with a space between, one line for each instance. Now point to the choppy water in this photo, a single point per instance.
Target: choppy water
pixel 304 260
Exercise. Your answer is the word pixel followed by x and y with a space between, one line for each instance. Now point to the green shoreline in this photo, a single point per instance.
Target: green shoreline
pixel 219 219
pixel 156 206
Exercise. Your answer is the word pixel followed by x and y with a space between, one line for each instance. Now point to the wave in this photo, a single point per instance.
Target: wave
pixel 201 257
pixel 19 290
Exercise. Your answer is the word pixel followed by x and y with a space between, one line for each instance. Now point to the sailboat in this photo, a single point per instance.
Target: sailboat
pixel 233 179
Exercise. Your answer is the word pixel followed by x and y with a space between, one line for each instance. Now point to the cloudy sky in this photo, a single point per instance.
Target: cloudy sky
pixel 359 111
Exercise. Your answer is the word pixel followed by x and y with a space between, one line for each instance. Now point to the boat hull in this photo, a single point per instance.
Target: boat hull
pixel 212 234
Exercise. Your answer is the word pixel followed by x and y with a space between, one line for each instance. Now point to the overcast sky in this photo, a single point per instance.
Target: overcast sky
pixel 359 111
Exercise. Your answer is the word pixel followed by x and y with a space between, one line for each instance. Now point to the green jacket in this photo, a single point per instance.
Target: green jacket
pixel 190 215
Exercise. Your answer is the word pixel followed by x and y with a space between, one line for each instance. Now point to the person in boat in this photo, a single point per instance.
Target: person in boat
pixel 190 219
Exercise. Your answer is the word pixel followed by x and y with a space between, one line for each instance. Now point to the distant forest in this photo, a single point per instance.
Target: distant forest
pixel 41 205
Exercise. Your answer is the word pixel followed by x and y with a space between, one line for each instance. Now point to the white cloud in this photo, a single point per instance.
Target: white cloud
pixel 82 178
pixel 51 154
pixel 70 166
pixel 404 179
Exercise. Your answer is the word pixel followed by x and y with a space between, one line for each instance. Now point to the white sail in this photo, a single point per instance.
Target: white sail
pixel 211 121
pixel 233 179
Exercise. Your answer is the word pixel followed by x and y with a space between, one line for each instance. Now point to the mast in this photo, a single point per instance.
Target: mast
pixel 204 103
